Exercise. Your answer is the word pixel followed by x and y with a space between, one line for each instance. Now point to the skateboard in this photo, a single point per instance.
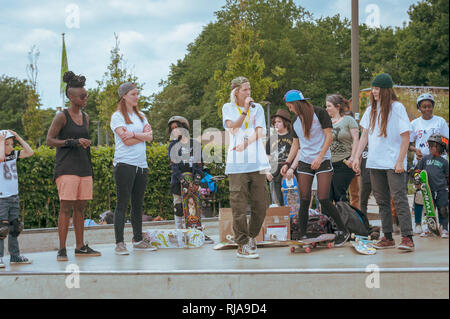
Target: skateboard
pixel 430 217
pixel 324 240
pixel 230 244
pixel 363 245
pixel 291 197
pixel 175 238
pixel 191 204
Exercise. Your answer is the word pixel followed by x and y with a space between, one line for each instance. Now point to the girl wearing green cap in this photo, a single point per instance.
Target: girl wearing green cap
pixel 386 128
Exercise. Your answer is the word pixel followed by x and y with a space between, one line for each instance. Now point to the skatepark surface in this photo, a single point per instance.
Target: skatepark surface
pixel 167 273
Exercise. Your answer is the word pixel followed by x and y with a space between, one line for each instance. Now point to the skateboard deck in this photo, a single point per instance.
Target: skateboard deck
pixel 363 245
pixel 291 197
pixel 230 244
pixel 324 240
pixel 430 218
pixel 192 208
pixel 175 238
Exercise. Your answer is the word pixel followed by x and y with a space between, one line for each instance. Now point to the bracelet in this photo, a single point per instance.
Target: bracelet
pixel 244 113
pixel 287 163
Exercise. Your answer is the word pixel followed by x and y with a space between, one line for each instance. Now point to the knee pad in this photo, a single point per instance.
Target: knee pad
pixel 16 227
pixel 443 211
pixel 4 229
pixel 178 210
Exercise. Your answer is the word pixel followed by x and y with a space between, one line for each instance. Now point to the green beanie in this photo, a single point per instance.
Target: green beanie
pixel 383 80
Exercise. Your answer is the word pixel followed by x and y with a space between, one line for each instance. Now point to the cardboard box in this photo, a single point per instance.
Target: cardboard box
pixel 276 222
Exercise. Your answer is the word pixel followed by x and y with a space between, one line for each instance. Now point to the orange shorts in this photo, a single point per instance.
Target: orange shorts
pixel 73 187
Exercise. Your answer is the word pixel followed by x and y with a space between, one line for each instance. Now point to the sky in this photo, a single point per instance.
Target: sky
pixel 153 34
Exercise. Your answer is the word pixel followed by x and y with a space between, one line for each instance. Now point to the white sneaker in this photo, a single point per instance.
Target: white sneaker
pixel 2 264
pixel 444 234
pixel 418 229
pixel 252 244
pixel 144 244
pixel 244 251
pixel 121 249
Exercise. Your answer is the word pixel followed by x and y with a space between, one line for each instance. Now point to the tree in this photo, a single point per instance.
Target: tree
pixel 13 103
pixel 423 45
pixel 32 119
pixel 244 60
pixel 107 97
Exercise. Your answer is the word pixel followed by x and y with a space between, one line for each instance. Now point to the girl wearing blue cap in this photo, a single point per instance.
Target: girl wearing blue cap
pixel 422 128
pixel 312 130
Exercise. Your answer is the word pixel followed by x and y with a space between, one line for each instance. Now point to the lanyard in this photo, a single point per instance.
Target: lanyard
pixel 246 121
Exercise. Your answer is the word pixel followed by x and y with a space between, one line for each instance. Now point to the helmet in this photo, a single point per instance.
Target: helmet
pixel 7 133
pixel 423 97
pixel 180 119
pixel 441 140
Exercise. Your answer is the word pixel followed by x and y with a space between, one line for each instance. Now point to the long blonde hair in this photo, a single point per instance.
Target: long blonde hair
pixel 387 97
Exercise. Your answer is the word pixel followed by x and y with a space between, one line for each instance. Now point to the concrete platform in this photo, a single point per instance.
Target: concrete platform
pixel 204 273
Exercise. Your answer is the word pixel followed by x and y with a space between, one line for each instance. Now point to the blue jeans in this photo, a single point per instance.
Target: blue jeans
pixel 10 210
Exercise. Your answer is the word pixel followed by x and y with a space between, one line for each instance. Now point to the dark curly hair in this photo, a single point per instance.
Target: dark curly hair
pixel 73 81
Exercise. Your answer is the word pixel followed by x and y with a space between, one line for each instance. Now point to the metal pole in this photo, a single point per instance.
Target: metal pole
pixel 355 58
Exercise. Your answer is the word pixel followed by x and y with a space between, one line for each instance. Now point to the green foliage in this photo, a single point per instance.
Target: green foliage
pixel 32 119
pixel 39 196
pixel 107 95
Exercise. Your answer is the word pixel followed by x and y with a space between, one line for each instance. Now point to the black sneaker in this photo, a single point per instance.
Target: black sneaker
pixel 341 238
pixel 62 255
pixel 87 251
pixel 20 260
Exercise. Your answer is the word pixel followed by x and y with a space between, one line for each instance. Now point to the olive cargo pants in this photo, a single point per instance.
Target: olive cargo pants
pixel 242 187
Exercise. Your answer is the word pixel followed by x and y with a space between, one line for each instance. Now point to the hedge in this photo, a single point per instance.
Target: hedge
pixel 39 196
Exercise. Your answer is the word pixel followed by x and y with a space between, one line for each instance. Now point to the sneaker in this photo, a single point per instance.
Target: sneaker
pixel 244 251
pixel 144 244
pixel 87 251
pixel 208 240
pixel 341 238
pixel 121 249
pixel 406 244
pixel 62 255
pixel 418 229
pixel 444 234
pixel 425 234
pixel 20 260
pixel 384 244
pixel 252 244
pixel 2 264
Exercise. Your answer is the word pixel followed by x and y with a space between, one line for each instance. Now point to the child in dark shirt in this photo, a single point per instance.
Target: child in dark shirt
pixel 437 170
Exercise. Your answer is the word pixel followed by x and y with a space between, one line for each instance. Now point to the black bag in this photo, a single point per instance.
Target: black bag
pixel 354 220
pixel 317 225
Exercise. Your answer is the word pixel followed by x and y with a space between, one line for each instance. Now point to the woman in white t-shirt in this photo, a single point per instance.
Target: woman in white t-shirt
pixel 312 130
pixel 246 165
pixel 385 129
pixel 131 131
pixel 422 128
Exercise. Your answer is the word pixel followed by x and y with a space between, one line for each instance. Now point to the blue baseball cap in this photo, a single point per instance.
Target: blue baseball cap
pixel 294 95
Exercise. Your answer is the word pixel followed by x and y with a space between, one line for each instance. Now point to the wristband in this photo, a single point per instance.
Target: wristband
pixel 72 142
pixel 287 163
pixel 244 113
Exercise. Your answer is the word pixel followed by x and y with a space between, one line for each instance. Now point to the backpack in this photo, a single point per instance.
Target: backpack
pixel 318 224
pixel 354 220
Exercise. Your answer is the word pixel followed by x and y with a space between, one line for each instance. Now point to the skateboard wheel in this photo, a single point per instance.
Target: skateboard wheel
pixel 329 245
pixel 369 237
pixel 307 250
pixel 292 249
pixel 353 236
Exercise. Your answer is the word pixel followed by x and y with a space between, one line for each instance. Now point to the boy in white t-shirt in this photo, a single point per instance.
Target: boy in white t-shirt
pixel 422 128
pixel 246 165
pixel 386 130
pixel 10 225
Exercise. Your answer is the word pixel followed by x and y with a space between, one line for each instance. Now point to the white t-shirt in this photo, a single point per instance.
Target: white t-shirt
pixel 384 151
pixel 423 129
pixel 133 155
pixel 9 185
pixel 311 148
pixel 254 157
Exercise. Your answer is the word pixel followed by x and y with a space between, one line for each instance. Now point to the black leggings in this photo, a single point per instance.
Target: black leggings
pixel 131 182
pixel 323 192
